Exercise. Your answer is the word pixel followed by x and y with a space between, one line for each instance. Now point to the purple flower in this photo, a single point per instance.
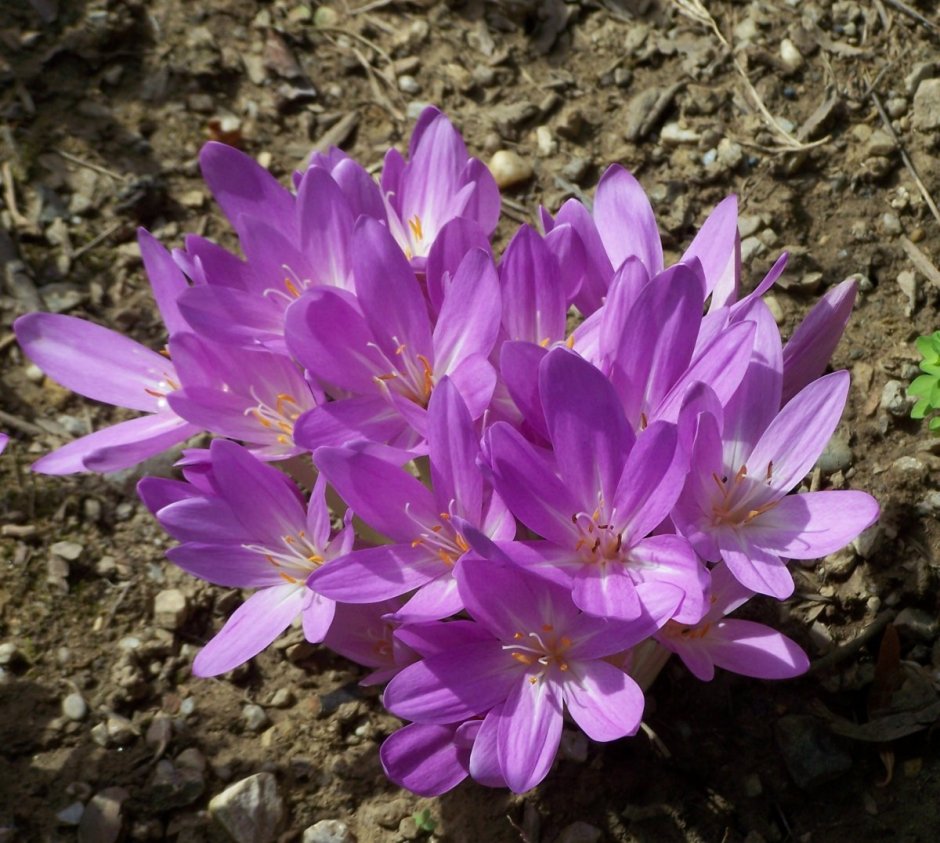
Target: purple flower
pixel 424 525
pixel 378 353
pixel 252 395
pixel 439 183
pixel 735 505
pixel 745 647
pixel 528 656
pixel 624 226
pixel 106 366
pixel 365 634
pixel 4 438
pixel 600 497
pixel 250 530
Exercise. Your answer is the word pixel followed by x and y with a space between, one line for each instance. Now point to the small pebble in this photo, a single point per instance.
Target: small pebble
pixel 69 551
pixel 71 815
pixel 328 831
pixel 250 810
pixel 509 168
pixel 170 609
pixel 409 85
pixel 74 707
pixel 917 623
pixel 894 399
pixel 255 717
pixel 791 57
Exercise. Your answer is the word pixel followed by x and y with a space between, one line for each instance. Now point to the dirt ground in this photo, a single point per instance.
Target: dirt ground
pixel 103 108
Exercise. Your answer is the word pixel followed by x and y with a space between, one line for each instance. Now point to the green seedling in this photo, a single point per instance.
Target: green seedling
pixel 926 387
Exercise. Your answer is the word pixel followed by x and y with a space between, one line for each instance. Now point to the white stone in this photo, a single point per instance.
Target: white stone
pixel 509 168
pixel 250 810
pixel 74 707
pixel 328 831
pixel 545 143
pixel 169 608
pixel 791 57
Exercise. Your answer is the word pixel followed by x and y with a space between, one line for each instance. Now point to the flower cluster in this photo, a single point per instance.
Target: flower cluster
pixel 543 513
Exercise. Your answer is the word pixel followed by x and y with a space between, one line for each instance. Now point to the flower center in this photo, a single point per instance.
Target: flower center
pixel 440 538
pixel 411 376
pixel 739 501
pixel 598 541
pixel 543 648
pixel 279 418
pixel 295 559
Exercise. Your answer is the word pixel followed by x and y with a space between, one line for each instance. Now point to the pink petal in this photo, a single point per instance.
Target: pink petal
pixel 254 625
pixel 605 702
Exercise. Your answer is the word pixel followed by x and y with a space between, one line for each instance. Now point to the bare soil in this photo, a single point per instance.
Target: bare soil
pixel 103 108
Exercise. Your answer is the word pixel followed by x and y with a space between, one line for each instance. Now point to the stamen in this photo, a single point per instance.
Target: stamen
pixel 415 225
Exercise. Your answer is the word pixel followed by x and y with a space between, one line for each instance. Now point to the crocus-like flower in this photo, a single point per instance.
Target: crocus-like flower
pixel 252 395
pixel 740 511
pixel 106 366
pixel 603 495
pixel 3 441
pixel 529 656
pixel 378 354
pixel 251 530
pixel 623 226
pixel 745 647
pixel 102 364
pixel 438 183
pixel 423 525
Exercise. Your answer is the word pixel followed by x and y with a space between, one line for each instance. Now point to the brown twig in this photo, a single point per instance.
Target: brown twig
pixel 9 198
pixel 9 420
pixel 90 165
pixel 906 158
pixel 850 648
pixel 913 13
pixel 100 238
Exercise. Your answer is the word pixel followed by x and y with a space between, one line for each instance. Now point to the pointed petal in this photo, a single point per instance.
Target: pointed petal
pixel 388 292
pixel 376 573
pixel 383 495
pixel 625 288
pixel 326 226
pixel 529 732
pixel 589 432
pixel 715 245
pixel 328 335
pixel 454 448
pixel 464 682
pixel 797 436
pixel 242 187
pixel 752 649
pixel 469 318
pixel 263 499
pixel 807 353
pixel 349 420
pixel 605 702
pixel 94 361
pixel 119 446
pixel 453 242
pixel 759 570
pixel 814 524
pixel 424 759
pixel 658 338
pixel 651 481
pixel 229 315
pixel 531 489
pixel 317 616
pixel 625 220
pixel 534 301
pixel 228 565
pixel 254 625
pixel 166 280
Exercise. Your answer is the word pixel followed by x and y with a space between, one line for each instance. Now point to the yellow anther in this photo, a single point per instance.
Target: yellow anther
pixel 415 225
